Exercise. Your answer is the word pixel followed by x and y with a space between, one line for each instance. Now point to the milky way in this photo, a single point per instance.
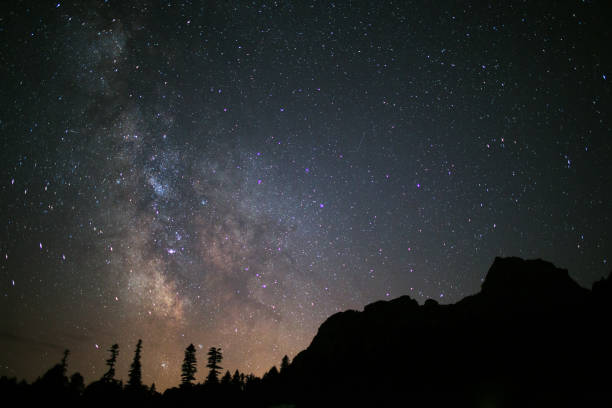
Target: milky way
pixel 232 174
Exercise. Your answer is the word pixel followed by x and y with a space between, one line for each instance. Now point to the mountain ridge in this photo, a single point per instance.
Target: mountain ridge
pixel 529 321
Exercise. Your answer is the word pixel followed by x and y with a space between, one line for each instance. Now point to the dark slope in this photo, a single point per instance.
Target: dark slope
pixel 532 336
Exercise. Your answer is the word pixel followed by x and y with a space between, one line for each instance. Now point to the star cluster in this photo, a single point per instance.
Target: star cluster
pixel 230 174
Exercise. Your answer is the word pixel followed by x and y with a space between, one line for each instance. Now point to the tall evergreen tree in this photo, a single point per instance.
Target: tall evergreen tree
pixel 110 374
pixel 189 367
pixel 272 374
pixel 214 358
pixel 135 374
pixel 284 364
pixel 55 378
pixel 64 362
pixel 237 380
pixel 227 378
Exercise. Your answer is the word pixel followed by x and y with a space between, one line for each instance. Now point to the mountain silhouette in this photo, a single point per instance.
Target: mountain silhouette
pixel 531 337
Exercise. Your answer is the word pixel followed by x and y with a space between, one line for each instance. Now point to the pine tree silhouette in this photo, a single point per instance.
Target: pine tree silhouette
pixel 284 364
pixel 135 374
pixel 238 380
pixel 55 380
pixel 272 374
pixel 110 374
pixel 214 358
pixel 64 361
pixel 226 379
pixel 189 367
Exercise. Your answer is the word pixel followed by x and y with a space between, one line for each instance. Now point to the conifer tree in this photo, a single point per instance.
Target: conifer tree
pixel 227 378
pixel 55 378
pixel 214 358
pixel 237 380
pixel 135 374
pixel 110 374
pixel 272 374
pixel 189 367
pixel 64 361
pixel 284 364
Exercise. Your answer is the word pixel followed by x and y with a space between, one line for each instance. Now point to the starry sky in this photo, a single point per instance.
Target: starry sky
pixel 231 173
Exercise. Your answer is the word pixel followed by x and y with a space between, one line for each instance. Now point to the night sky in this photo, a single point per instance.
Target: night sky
pixel 231 173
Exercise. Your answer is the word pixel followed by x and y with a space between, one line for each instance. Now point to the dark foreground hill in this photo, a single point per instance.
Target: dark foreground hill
pixel 531 337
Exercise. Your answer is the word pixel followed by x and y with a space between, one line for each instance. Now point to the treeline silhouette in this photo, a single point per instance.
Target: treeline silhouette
pixel 531 337
pixel 231 390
